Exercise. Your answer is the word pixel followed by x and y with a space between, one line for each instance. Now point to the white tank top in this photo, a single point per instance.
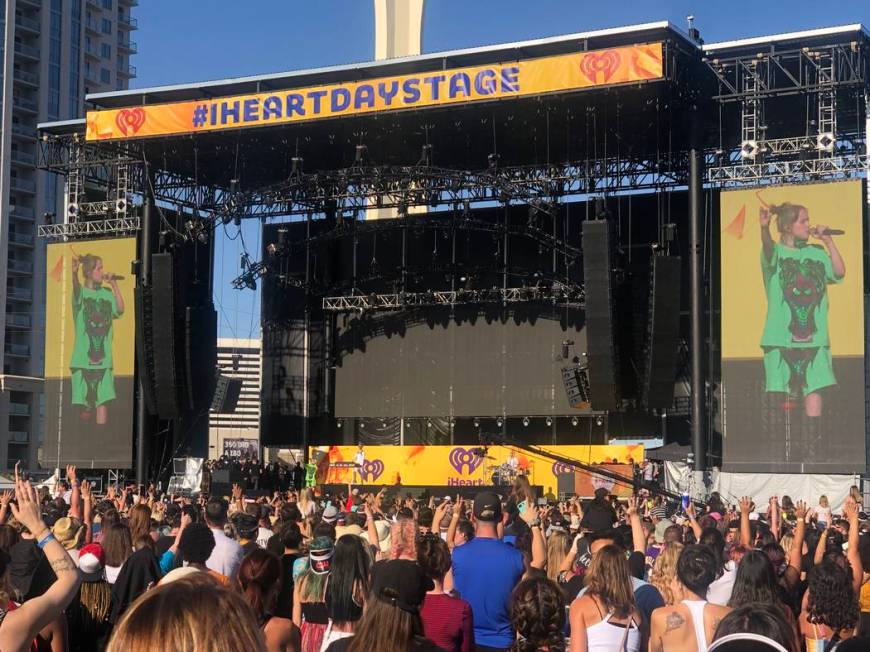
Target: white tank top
pixel 606 637
pixel 696 612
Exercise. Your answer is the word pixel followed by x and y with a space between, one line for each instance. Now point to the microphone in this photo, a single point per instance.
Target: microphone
pixel 112 277
pixel 829 232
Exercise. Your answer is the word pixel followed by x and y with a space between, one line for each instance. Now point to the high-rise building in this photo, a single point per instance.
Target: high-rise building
pixel 238 358
pixel 54 52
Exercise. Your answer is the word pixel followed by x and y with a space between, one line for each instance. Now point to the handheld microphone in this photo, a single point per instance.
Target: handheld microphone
pixel 112 277
pixel 829 232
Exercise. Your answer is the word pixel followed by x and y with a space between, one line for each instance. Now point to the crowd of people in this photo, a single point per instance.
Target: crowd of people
pixel 307 571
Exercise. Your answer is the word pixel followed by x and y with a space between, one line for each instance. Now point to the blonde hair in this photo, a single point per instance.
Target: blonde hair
pixel 823 501
pixel 609 580
pixel 665 569
pixel 557 548
pixel 194 614
pixel 787 543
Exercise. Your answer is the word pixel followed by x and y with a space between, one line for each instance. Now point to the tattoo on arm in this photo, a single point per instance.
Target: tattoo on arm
pixel 674 621
pixel 63 565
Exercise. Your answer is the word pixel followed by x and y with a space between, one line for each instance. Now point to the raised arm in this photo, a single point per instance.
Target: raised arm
pixel 773 509
pixel 850 511
pixel 22 625
pixel 75 499
pixel 638 538
pixel 88 507
pixel 693 520
pixel 745 530
pixel 539 546
pixel 454 521
pixel 5 497
pixel 119 299
pixel 820 547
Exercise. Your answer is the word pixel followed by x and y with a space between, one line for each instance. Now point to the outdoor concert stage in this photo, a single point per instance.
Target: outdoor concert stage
pixel 517 241
pixel 439 491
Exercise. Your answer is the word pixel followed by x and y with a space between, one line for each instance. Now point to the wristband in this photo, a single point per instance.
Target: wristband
pixel 39 534
pixel 44 542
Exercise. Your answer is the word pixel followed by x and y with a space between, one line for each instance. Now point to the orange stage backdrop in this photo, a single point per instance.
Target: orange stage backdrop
pixel 436 88
pixel 458 466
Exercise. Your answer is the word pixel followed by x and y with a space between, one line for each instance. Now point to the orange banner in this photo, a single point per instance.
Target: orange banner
pixel 444 87
pixel 460 466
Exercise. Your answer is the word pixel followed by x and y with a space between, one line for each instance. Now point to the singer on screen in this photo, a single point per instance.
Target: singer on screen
pixel 94 309
pixel 797 349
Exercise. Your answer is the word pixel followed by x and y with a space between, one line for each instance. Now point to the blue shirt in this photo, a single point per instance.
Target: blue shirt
pixel 485 572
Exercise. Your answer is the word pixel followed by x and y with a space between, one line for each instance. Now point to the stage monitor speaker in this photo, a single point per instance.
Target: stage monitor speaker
pixel 144 352
pixel 576 385
pixel 200 355
pixel 663 329
pixel 226 394
pixel 166 388
pixel 600 346
pixel 565 484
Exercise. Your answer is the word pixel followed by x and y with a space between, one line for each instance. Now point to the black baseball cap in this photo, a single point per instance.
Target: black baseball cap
pixel 487 506
pixel 401 583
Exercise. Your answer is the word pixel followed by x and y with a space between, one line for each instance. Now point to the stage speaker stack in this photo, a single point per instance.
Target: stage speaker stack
pixel 144 351
pixel 226 394
pixel 565 484
pixel 576 385
pixel 663 328
pixel 200 355
pixel 166 388
pixel 600 347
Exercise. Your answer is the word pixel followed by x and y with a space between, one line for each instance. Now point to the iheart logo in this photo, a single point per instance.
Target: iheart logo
pixel 559 468
pixel 463 457
pixel 600 66
pixel 130 121
pixel 372 470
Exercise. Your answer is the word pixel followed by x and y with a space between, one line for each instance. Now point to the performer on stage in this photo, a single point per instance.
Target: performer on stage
pixel 359 461
pixel 797 350
pixel 514 464
pixel 94 307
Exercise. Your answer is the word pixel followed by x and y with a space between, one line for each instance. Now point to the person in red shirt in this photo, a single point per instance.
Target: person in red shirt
pixel 447 621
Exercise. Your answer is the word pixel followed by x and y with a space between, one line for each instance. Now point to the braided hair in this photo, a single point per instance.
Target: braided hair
pixel 538 616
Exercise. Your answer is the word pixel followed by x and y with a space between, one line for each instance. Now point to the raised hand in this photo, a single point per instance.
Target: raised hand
pixel 746 505
pixel 850 509
pixel 237 492
pixel 800 510
pixel 690 511
pixel 86 490
pixel 110 492
pixel 5 498
pixel 530 515
pixel 632 508
pixel 185 520
pixel 71 473
pixel 27 511
pixel 763 216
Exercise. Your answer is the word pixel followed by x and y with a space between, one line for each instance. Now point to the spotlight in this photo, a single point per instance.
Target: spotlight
pixel 549 421
pixel 499 422
pixel 574 421
pixel 526 422
pixel 428 424
pixel 599 421
pixel 477 423
pixel 338 423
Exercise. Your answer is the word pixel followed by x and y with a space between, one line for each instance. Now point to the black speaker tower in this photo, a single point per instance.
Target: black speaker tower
pixel 663 325
pixel 598 282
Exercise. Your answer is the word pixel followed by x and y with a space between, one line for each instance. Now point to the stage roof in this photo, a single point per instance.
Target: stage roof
pixel 603 38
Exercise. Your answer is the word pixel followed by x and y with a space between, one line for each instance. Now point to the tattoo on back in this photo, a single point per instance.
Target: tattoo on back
pixel 674 621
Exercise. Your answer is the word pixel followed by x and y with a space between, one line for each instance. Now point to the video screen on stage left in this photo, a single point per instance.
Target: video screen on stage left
pixel 90 327
pixel 793 377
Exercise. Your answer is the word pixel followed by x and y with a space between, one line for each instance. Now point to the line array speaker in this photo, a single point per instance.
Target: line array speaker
pixel 226 394
pixel 166 394
pixel 200 355
pixel 601 350
pixel 576 384
pixel 663 326
pixel 144 350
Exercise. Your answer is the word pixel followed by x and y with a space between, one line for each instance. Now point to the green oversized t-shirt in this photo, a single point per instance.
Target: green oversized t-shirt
pixel 796 280
pixel 93 312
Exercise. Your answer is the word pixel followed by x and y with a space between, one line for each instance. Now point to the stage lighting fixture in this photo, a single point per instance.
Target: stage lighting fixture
pixel 428 424
pixel 477 423
pixel 359 154
pixel 599 421
pixel 526 422
pixel 202 236
pixel 499 422
pixel 574 421
pixel 338 423
pixel 549 421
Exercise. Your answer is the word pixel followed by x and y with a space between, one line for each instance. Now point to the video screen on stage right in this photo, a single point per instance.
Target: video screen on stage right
pixel 793 379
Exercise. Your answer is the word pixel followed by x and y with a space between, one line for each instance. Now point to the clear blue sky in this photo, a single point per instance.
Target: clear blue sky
pixel 185 41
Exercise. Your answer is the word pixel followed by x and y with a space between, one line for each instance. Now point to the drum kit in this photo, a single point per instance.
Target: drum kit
pixel 504 474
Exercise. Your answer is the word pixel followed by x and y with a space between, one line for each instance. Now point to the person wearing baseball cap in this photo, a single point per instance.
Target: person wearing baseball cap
pixel 485 572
